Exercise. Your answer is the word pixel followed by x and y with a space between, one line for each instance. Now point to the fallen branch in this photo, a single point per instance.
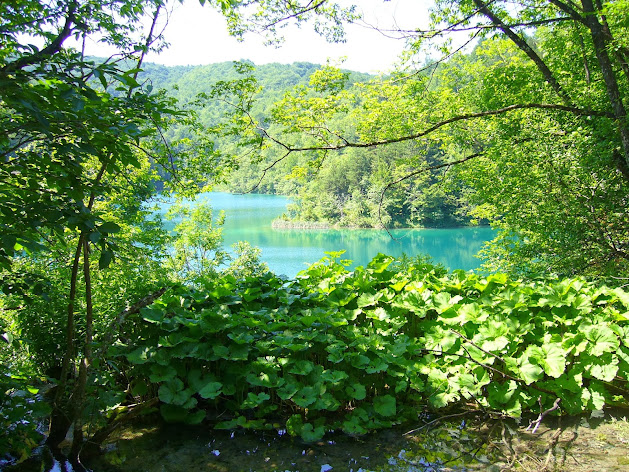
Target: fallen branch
pixel 92 445
pixel 539 419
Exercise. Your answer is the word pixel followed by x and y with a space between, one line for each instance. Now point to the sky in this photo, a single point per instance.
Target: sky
pixel 198 36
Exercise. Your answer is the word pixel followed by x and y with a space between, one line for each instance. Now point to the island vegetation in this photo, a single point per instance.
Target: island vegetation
pixel 105 315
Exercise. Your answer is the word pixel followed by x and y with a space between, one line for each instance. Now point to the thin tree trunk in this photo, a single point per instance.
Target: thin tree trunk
pixel 79 394
pixel 63 414
pixel 74 415
pixel 611 84
pixel 60 419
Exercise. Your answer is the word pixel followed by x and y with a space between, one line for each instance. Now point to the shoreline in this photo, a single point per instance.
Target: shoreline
pixel 280 223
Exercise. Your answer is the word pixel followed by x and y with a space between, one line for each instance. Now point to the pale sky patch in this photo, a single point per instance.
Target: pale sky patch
pixel 198 36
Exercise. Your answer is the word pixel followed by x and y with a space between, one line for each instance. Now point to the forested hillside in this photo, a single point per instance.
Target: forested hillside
pixel 345 188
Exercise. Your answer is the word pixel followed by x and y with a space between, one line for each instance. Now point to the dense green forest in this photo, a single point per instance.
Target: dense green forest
pixel 106 316
pixel 346 188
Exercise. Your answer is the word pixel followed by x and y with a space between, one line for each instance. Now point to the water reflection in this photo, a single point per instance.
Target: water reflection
pixel 288 251
pixel 174 448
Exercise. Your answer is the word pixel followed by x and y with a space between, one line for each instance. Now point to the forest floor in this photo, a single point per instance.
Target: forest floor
pixel 570 444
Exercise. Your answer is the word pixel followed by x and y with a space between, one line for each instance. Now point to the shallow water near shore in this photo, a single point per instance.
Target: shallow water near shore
pixel 455 445
pixel 461 442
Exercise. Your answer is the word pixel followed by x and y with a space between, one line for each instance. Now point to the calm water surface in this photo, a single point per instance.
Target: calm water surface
pixel 288 251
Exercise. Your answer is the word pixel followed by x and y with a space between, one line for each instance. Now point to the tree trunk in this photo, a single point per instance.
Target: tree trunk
pixel 78 397
pixel 60 418
pixel 611 84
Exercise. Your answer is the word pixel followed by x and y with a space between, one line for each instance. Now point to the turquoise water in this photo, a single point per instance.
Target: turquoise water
pixel 288 251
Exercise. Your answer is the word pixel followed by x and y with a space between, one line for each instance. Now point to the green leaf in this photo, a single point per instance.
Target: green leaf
pixel 530 372
pixel 604 367
pixel 368 299
pixel 173 392
pixel 376 365
pixel 594 396
pixel 109 227
pixel 231 424
pixel 443 301
pixel 334 377
pixel 300 367
pixel 305 396
pixel 472 312
pixel 106 256
pixel 602 339
pixel 139 356
pixel 385 405
pixel 254 400
pixel 287 390
pixel 380 263
pixel 210 390
pixel 356 391
pixel 195 417
pixel 160 373
pixel 442 399
pixel 501 393
pixel 309 433
pixel 553 360
pixel 294 424
pixel 152 315
pixel 326 402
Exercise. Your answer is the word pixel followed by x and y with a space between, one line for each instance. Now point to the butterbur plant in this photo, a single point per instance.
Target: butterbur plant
pixel 359 350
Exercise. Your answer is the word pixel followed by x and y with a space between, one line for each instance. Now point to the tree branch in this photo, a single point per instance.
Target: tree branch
pixel 540 418
pixel 308 8
pixel 122 316
pixel 53 48
pixel 524 47
pixel 566 8
pixel 415 174
pixel 468 116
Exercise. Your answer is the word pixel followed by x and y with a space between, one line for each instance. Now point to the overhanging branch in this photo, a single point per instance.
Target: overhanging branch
pixel 344 143
pixel 53 48
pixel 464 117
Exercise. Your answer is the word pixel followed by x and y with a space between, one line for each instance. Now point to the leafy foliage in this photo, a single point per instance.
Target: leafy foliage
pixel 341 189
pixel 21 409
pixel 525 105
pixel 79 142
pixel 364 349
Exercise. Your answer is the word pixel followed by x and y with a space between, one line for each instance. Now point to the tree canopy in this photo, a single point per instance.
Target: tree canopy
pixel 530 97
pixel 80 140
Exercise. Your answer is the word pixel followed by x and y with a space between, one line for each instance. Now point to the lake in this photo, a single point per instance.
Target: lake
pixel 288 251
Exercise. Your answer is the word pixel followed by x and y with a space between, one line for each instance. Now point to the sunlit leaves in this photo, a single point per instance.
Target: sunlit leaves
pixel 509 344
pixel 602 339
